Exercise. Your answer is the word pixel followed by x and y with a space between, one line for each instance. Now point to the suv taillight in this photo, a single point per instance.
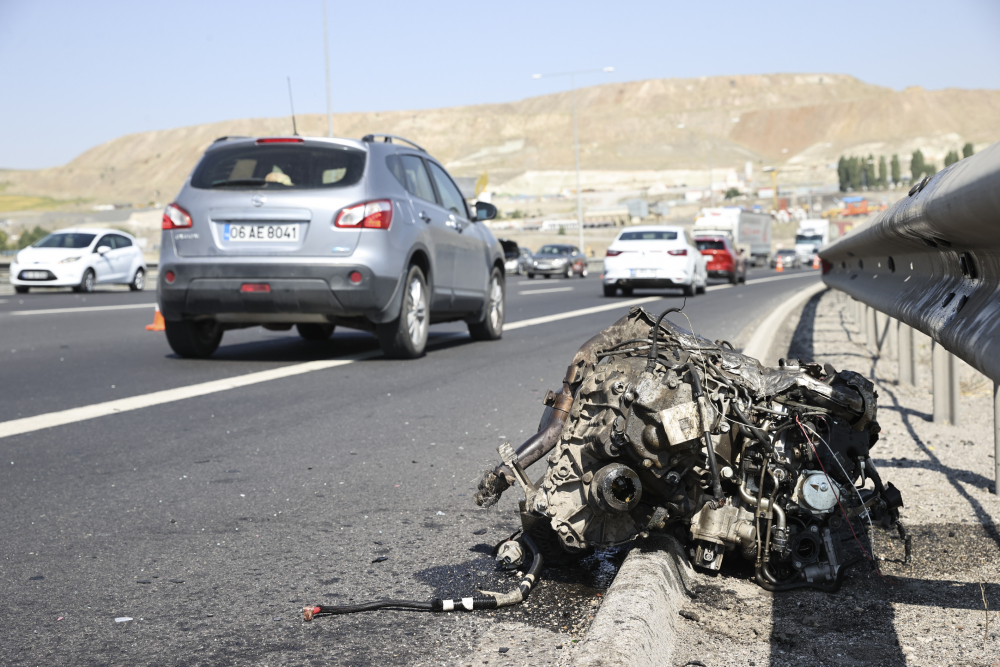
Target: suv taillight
pixel 370 215
pixel 678 253
pixel 174 217
pixel 613 253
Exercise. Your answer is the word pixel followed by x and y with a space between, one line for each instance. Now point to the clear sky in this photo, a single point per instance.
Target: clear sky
pixel 76 74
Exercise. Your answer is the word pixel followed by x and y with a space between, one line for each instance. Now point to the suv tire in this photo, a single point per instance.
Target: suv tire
pixel 406 336
pixel 689 290
pixel 21 289
pixel 491 328
pixel 610 290
pixel 193 340
pixel 313 331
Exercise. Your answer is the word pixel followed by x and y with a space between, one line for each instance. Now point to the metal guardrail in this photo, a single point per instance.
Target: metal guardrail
pixel 932 262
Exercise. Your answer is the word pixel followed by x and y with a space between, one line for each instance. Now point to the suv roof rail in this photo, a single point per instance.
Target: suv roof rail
pixel 387 138
pixel 228 137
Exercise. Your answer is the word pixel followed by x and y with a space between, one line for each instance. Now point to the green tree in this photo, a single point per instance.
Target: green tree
pixel 854 172
pixel 951 158
pixel 869 167
pixel 916 166
pixel 883 172
pixel 842 174
pixel 732 193
pixel 3 240
pixel 562 231
pixel 894 169
pixel 967 150
pixel 27 238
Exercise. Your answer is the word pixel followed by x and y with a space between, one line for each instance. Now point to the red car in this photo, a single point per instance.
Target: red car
pixel 723 261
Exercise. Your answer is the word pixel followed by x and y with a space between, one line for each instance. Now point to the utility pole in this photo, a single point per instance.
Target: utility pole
pixel 576 139
pixel 326 62
pixel 711 190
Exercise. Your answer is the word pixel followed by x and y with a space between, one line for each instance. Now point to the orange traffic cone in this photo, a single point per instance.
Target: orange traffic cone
pixel 158 324
pixel 815 261
pixel 780 266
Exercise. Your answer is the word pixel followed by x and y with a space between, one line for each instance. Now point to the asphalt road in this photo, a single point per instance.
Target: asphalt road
pixel 241 505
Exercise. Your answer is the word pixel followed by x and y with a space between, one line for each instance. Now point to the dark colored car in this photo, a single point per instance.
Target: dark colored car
pixel 789 259
pixel 723 260
pixel 558 260
pixel 516 259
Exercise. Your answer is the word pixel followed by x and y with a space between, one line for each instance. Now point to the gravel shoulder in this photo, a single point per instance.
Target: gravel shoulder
pixel 930 612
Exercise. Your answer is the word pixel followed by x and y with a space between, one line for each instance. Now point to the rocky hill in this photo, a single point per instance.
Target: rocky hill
pixel 657 131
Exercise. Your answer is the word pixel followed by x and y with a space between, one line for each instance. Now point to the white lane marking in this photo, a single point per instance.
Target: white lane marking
pixel 577 313
pixel 546 291
pixel 73 415
pixel 794 275
pixel 38 422
pixel 84 309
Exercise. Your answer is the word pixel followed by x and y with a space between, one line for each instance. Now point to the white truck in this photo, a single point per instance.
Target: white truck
pixel 748 231
pixel 810 237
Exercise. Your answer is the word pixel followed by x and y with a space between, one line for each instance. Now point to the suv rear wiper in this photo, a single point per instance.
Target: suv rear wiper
pixel 240 181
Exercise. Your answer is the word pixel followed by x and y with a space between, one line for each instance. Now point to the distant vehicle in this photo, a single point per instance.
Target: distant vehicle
pixel 654 256
pixel 314 233
pixel 80 258
pixel 789 260
pixel 558 260
pixel 854 206
pixel 722 259
pixel 811 236
pixel 516 258
pixel 748 231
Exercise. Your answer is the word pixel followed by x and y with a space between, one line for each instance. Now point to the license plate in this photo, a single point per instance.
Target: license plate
pixel 261 233
pixel 35 275
pixel 643 273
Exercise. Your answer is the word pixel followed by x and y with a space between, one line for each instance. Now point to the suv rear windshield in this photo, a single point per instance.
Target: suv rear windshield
pixel 68 240
pixel 648 236
pixel 279 167
pixel 709 244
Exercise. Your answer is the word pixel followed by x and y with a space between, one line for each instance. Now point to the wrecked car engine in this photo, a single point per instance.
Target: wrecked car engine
pixel 658 429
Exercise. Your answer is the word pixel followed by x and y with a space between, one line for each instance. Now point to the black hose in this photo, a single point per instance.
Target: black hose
pixel 655 335
pixel 489 601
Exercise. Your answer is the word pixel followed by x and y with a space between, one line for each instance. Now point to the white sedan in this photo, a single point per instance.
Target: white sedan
pixel 79 258
pixel 654 256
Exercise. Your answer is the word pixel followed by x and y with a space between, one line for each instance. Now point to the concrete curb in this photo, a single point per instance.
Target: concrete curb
pixel 635 625
pixel 759 345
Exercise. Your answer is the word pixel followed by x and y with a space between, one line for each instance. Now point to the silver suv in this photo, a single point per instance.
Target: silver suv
pixel 315 232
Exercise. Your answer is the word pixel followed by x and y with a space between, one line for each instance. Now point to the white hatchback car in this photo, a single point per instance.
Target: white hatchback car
pixel 80 258
pixel 654 256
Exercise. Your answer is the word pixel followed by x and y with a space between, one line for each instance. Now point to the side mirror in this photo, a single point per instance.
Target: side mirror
pixel 103 249
pixel 485 211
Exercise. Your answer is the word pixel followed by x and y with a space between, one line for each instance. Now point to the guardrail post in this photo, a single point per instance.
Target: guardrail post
pixel 871 330
pixel 996 439
pixel 907 355
pixel 946 393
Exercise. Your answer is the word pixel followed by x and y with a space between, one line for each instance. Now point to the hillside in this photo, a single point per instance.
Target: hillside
pixel 643 132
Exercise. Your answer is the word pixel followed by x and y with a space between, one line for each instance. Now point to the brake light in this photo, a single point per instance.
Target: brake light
pixel 827 266
pixel 255 287
pixel 174 217
pixel 678 253
pixel 370 215
pixel 613 253
pixel 280 140
pixel 170 277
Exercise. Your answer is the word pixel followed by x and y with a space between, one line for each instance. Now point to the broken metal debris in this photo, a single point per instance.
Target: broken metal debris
pixel 658 429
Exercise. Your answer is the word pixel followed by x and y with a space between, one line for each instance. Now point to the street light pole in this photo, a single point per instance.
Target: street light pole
pixel 576 138
pixel 326 62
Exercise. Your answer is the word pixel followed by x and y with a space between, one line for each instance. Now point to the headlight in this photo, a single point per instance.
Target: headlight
pixel 69 260
pixel 534 262
pixel 561 260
